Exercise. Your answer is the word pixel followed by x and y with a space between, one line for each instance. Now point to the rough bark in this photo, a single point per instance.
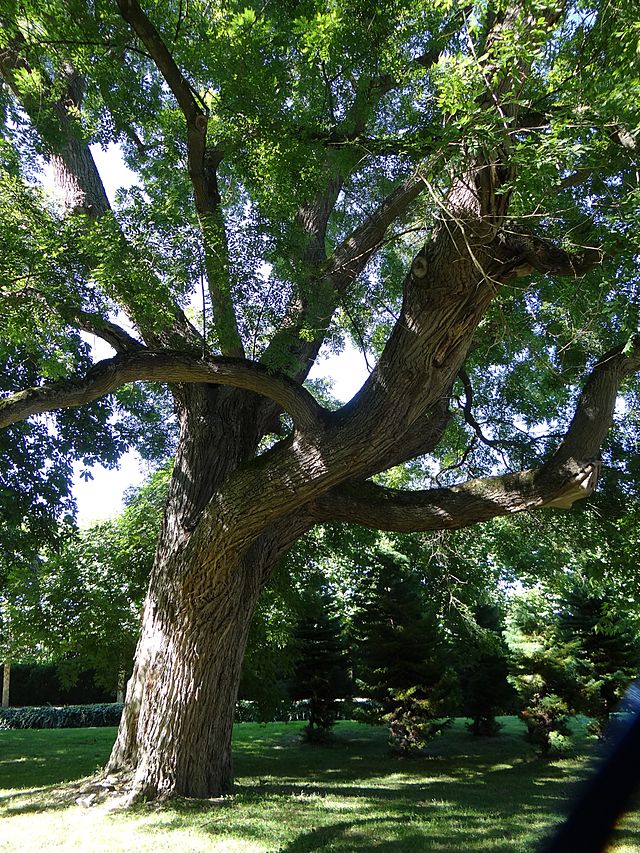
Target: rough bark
pixel 6 682
pixel 177 723
pixel 176 727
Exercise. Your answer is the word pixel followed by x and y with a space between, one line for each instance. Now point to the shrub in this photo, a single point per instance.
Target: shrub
pixel 412 722
pixel 69 717
pixel 547 721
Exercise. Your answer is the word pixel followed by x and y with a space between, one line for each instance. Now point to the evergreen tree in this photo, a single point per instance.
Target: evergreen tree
pixel 545 672
pixel 546 683
pixel 606 645
pixel 483 672
pixel 401 655
pixel 321 673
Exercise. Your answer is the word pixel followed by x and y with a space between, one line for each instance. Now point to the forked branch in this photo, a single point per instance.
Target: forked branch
pixel 202 163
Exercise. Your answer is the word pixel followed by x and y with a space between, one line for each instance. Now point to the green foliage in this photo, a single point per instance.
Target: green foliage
pixel 79 605
pixel 483 668
pixel 296 94
pixel 401 657
pixel 415 717
pixel 607 648
pixel 321 672
pixel 69 717
pixel 278 82
pixel 546 673
pixel 546 716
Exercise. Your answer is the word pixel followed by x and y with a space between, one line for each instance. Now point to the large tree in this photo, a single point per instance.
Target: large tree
pixel 451 184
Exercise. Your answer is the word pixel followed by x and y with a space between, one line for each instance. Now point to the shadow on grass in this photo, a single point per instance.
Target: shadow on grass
pixel 361 835
pixel 39 758
pixel 36 800
pixel 406 826
pixel 506 812
pixel 463 794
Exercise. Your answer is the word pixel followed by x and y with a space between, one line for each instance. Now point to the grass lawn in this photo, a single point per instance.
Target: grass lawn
pixel 482 794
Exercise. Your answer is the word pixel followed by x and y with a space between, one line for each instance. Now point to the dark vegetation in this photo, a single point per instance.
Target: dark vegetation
pixel 68 717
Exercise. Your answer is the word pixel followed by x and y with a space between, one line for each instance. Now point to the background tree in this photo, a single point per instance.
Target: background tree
pixel 409 174
pixel 401 656
pixel 545 672
pixel 483 667
pixel 606 644
pixel 79 604
pixel 321 672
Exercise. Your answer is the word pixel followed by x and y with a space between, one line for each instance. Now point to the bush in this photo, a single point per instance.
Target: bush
pixel 412 722
pixel 69 717
pixel 547 721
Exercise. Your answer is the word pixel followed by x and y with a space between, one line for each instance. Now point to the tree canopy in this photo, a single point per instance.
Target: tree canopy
pixel 454 187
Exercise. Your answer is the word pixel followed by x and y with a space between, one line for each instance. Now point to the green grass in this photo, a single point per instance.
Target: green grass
pixel 471 794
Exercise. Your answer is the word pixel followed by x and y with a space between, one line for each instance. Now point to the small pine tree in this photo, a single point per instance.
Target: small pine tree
pixel 607 649
pixel 484 671
pixel 401 656
pixel 544 673
pixel 544 680
pixel 321 671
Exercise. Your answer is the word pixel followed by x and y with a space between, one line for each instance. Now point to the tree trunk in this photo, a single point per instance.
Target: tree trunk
pixel 175 733
pixel 120 686
pixel 178 718
pixel 6 683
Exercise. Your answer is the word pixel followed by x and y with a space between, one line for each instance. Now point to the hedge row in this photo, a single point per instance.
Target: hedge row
pixel 84 716
pixel 69 717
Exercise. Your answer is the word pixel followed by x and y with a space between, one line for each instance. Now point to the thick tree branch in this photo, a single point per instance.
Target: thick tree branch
pixel 114 335
pixel 458 506
pixel 569 475
pixel 530 254
pixel 74 167
pixel 422 437
pixel 351 256
pixel 149 36
pixel 334 277
pixel 594 412
pixel 202 163
pixel 109 375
